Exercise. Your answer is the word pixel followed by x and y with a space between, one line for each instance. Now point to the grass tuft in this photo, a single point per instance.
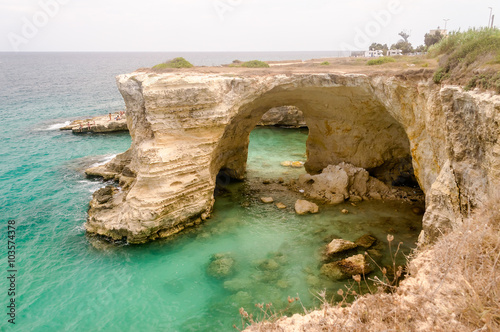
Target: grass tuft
pixel 380 61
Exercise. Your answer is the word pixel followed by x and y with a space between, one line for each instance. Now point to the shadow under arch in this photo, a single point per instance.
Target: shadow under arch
pixel 346 124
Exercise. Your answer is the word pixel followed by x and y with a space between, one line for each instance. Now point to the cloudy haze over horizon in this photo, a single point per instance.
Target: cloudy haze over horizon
pixel 228 25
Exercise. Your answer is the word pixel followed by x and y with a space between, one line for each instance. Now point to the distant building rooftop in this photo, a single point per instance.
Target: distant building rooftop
pixel 443 32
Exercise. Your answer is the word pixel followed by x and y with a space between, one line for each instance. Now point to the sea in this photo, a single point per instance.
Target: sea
pixel 56 278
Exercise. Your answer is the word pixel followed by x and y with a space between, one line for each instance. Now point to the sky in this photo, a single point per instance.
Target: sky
pixel 228 25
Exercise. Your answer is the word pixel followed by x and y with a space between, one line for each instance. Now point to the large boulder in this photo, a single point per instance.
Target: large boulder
pixel 303 207
pixel 337 183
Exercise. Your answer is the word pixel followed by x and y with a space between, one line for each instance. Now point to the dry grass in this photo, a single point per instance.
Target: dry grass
pixel 453 286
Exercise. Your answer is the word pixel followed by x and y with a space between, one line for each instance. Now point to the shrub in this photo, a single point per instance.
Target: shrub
pixel 254 64
pixel 325 63
pixel 380 61
pixel 179 62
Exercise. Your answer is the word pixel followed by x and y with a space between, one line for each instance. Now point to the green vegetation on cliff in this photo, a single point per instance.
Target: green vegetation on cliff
pixel 250 64
pixel 470 58
pixel 179 62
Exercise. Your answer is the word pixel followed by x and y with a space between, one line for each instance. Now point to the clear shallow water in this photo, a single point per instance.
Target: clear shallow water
pixel 66 282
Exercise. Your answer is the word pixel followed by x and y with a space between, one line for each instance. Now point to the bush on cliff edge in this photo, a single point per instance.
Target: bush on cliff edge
pixel 470 58
pixel 179 62
pixel 250 64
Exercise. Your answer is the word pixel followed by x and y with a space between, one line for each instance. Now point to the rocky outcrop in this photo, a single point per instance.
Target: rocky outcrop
pixel 99 124
pixel 186 127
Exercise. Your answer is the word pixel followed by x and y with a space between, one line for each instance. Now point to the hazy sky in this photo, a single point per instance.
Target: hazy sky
pixel 227 25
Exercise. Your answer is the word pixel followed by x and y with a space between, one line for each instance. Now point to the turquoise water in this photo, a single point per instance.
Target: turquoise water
pixel 69 282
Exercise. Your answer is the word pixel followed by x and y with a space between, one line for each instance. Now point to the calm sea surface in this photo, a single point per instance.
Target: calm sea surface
pixel 65 282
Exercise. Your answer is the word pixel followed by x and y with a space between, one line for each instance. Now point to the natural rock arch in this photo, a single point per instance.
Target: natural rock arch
pixel 186 126
pixel 346 124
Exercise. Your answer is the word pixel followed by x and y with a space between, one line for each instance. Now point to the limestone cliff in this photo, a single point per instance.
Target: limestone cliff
pixel 188 126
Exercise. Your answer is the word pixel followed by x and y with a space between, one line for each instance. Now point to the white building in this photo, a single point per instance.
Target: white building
pixel 394 52
pixel 374 54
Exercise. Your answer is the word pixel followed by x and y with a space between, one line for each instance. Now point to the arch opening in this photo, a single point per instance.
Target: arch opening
pixel 346 125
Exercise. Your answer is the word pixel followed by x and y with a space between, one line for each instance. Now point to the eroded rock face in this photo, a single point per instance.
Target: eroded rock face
pixel 187 126
pixel 284 116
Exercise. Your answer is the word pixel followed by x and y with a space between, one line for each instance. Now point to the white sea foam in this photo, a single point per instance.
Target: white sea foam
pixel 105 159
pixel 56 126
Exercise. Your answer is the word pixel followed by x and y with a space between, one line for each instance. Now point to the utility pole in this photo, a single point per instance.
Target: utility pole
pixel 492 20
pixel 445 22
pixel 489 20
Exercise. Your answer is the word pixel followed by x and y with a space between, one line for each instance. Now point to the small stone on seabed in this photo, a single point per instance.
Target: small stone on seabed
pixel 267 200
pixel 280 205
pixel 286 163
pixel 345 211
pixel 266 181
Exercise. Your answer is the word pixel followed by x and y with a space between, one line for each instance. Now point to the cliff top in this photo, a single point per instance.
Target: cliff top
pixel 348 65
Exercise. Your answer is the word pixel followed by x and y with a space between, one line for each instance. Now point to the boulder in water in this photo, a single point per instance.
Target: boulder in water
pixel 338 246
pixel 303 207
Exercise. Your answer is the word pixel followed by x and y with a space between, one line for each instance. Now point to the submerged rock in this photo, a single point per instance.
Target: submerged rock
pixel 303 207
pixel 366 241
pixel 235 285
pixel 297 164
pixel 221 266
pixel 268 265
pixel 283 284
pixel 280 205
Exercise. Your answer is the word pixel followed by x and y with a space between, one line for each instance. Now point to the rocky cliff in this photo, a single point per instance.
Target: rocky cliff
pixel 188 126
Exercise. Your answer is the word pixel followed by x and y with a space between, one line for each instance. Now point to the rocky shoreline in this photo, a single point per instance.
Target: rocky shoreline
pixel 113 122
